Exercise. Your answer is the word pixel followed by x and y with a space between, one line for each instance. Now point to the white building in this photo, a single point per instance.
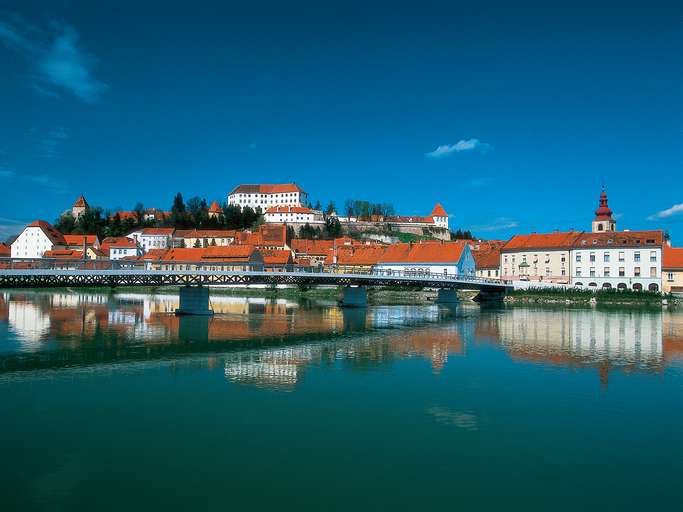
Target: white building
pixel 35 239
pixel 622 260
pixel 153 238
pixel 264 196
pixel 428 257
pixel 293 214
pixel 120 247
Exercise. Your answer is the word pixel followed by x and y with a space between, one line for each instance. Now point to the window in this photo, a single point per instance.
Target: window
pixel 563 259
pixel 578 257
pixel 605 257
pixel 636 256
pixel 592 257
pixel 578 272
pixel 621 256
pixel 653 271
pixel 605 272
pixel 670 277
pixel 653 256
pixel 622 273
pixel 636 271
pixel 564 272
pixel 547 271
pixel 592 271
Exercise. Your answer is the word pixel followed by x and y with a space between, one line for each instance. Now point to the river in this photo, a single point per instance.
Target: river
pixel 111 402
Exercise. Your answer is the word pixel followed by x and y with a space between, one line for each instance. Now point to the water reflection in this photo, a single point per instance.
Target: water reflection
pixel 270 343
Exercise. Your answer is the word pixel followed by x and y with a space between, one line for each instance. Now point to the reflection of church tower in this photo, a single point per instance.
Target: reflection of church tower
pixel 604 221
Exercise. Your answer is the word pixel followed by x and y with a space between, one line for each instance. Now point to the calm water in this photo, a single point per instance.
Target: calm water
pixel 109 402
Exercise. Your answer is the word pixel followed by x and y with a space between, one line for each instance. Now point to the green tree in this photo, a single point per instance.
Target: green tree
pixel 330 208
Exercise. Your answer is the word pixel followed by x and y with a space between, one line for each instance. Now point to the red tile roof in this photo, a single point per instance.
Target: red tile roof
pixel 158 231
pixel 55 236
pixel 124 215
pixel 267 189
pixel 215 208
pixel 438 211
pixel 81 202
pixel 673 258
pixel 289 209
pixel 232 253
pixel 557 240
pixel 486 259
pixel 431 252
pixel 80 239
pixel 359 255
pixel 64 254
pixel 5 250
pixel 276 257
pixel 312 247
pixel 620 239
pixel 118 242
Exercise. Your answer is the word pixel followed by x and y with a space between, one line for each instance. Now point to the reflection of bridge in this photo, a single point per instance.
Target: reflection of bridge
pixel 194 295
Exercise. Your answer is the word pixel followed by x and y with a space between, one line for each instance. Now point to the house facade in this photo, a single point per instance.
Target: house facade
pixel 35 239
pixel 293 215
pixel 428 257
pixel 264 196
pixel 538 257
pixel 672 270
pixel 153 238
pixel 203 237
pixel 120 247
pixel 622 260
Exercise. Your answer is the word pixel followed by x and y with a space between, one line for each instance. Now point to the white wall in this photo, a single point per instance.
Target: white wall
pixel 31 243
pixel 617 258
pixel 264 201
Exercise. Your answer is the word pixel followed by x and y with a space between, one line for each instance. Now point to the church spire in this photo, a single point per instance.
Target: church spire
pixel 604 220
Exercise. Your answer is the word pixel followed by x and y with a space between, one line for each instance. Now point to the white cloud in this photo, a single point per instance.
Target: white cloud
pixel 674 210
pixel 498 224
pixel 57 60
pixel 459 147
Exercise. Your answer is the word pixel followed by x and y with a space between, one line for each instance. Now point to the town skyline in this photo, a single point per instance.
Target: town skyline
pixel 511 133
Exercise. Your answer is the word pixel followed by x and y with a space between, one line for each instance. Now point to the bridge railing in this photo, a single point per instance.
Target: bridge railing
pixel 162 266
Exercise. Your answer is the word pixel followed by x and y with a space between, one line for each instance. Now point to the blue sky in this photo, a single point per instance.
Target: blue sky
pixel 511 116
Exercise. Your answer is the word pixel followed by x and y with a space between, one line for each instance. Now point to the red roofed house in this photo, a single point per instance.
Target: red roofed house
pixel 35 239
pixel 277 260
pixel 78 242
pixel 487 258
pixel 269 236
pixel 316 252
pixel 153 238
pixel 429 257
pixel 119 247
pixel 672 270
pixel 358 258
pixel 264 196
pixel 538 257
pixel 231 258
pixel 66 259
pixel 5 250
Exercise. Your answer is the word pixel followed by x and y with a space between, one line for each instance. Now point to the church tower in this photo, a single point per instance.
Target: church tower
pixel 604 221
pixel 79 207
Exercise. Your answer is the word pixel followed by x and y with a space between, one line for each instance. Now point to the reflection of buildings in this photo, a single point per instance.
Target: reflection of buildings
pixel 628 339
pixel 270 343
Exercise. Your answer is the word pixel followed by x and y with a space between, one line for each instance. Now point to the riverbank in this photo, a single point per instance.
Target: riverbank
pixel 588 297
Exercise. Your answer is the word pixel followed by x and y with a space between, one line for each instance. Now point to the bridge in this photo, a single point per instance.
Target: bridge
pixel 194 282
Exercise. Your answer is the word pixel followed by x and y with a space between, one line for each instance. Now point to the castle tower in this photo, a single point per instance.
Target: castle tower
pixel 215 210
pixel 603 221
pixel 440 216
pixel 79 207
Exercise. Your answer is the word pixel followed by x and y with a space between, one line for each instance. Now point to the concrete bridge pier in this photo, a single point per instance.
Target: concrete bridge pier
pixel 447 296
pixel 194 300
pixel 354 297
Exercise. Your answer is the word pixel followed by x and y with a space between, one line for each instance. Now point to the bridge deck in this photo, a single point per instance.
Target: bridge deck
pixel 40 278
